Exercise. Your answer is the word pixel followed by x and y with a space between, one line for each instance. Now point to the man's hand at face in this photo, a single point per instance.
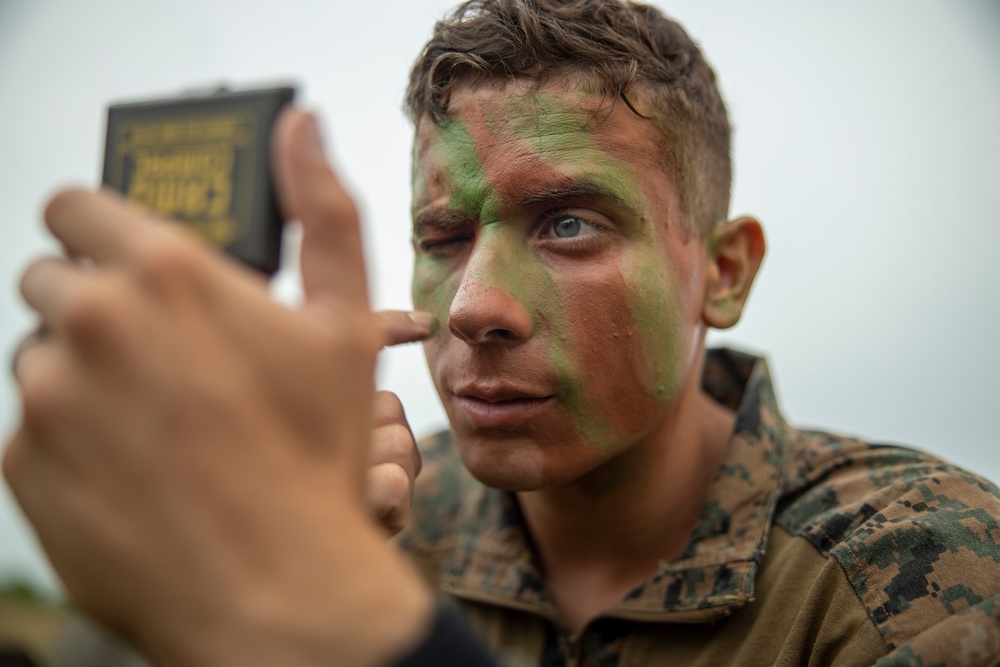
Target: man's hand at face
pixel 395 463
pixel 192 455
pixel 395 460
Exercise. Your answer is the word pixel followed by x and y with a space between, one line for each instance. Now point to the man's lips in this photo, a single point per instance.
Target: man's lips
pixel 499 407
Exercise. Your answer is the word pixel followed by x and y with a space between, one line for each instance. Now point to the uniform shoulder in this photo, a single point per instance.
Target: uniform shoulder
pixel 917 537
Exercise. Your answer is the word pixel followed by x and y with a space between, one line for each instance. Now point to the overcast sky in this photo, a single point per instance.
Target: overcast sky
pixel 867 137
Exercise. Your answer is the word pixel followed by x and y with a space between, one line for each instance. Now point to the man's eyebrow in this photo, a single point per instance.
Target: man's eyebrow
pixel 444 219
pixel 441 219
pixel 577 189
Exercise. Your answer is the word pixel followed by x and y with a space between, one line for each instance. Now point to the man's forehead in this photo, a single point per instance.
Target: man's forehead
pixel 505 142
pixel 562 114
pixel 520 106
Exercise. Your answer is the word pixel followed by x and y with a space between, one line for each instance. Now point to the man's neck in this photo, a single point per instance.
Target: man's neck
pixel 602 535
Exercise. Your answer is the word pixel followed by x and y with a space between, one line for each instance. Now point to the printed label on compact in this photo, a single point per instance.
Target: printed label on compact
pixel 189 169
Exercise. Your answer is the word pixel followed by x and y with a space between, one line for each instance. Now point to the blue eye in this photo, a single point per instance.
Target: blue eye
pixel 571 227
pixel 566 227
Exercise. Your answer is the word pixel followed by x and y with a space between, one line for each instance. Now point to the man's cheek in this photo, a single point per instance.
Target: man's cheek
pixel 609 367
pixel 432 290
pixel 656 321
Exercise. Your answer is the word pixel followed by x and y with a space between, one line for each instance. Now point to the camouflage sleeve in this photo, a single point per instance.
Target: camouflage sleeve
pixel 919 541
pixel 970 638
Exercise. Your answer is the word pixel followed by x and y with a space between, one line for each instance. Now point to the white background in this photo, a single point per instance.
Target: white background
pixel 866 141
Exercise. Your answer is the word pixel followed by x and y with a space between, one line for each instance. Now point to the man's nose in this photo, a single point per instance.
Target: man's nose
pixel 484 312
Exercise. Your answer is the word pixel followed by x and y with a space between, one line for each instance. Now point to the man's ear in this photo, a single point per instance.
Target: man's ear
pixel 735 252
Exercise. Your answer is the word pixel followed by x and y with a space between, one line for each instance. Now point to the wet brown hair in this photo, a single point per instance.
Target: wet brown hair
pixel 621 47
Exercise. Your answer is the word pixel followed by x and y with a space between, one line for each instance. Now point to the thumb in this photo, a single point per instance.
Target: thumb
pixel 401 326
pixel 332 261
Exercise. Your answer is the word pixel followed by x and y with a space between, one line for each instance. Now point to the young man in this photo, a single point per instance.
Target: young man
pixel 193 455
pixel 631 500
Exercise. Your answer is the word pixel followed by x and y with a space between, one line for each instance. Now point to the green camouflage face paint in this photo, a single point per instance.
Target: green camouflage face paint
pixel 513 268
pixel 559 131
pixel 455 149
pixel 605 322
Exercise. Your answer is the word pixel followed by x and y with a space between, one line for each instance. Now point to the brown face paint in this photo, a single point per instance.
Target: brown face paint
pixel 558 129
pixel 606 325
pixel 520 274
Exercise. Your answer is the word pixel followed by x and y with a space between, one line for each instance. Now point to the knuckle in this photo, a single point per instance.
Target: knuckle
pixel 90 310
pixel 43 391
pixel 367 334
pixel 388 408
pixel 395 484
pixel 389 493
pixel 377 500
pixel 395 444
pixel 341 347
pixel 30 275
pixel 62 201
pixel 360 341
pixel 336 203
pixel 397 520
pixel 165 259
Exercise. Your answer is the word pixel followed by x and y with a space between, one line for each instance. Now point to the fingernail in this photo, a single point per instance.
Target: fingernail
pixel 309 141
pixel 424 320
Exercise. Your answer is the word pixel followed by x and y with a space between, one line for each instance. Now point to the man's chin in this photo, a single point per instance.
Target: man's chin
pixel 518 464
pixel 506 464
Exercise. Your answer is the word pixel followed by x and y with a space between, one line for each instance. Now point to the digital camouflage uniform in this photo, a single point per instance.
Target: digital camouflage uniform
pixel 812 549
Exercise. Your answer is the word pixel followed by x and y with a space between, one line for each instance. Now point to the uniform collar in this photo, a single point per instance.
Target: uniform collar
pixel 493 560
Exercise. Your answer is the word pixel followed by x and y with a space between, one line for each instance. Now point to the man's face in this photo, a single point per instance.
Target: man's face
pixel 549 243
